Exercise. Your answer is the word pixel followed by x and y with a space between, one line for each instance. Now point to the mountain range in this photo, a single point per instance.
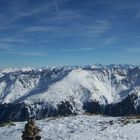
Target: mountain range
pixel 112 90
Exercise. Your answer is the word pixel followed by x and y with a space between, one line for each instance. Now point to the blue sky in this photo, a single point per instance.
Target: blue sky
pixel 69 32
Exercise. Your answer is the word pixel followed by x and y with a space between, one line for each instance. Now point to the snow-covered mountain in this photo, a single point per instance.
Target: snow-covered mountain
pixel 110 89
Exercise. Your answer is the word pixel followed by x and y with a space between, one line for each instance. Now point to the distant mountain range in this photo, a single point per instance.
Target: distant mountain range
pixel 103 89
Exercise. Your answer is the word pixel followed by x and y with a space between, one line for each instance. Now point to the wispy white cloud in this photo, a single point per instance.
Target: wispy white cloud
pixel 89 30
pixel 76 49
pixel 133 50
pixel 18 13
pixel 57 10
pixel 31 53
pixel 109 41
pixel 12 39
pixel 137 16
pixel 75 24
pixel 13 51
pixel 70 25
pixel 39 29
pixel 3 20
pixel 5 47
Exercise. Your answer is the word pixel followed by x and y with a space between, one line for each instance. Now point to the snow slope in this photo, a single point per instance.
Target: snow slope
pixel 79 127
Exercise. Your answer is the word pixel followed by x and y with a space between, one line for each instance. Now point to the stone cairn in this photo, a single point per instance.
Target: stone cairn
pixel 31 132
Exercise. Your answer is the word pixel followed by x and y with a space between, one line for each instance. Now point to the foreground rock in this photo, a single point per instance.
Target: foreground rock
pixel 31 132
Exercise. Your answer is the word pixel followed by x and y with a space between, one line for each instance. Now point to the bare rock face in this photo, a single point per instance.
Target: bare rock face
pixel 31 132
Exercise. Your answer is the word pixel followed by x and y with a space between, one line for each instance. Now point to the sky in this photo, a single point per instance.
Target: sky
pixel 40 33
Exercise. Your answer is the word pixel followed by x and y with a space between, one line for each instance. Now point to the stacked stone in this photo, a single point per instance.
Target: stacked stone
pixel 31 131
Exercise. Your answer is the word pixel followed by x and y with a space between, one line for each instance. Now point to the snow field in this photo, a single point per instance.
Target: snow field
pixel 79 127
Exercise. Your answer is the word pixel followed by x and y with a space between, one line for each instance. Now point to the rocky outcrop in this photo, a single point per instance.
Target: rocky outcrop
pixel 31 132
